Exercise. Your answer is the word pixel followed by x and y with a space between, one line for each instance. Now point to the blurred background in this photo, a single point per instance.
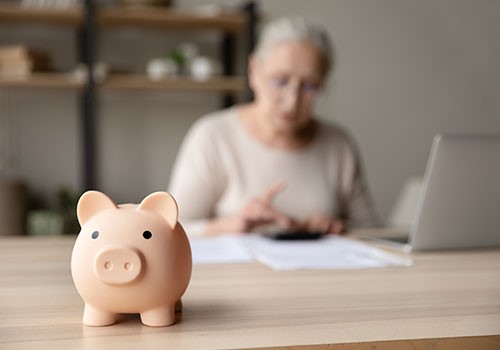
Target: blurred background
pixel 404 71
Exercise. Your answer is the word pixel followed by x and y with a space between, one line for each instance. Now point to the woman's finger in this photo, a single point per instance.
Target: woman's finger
pixel 271 192
pixel 338 227
pixel 318 223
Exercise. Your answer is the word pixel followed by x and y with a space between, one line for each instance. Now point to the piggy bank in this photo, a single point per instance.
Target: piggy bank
pixel 130 259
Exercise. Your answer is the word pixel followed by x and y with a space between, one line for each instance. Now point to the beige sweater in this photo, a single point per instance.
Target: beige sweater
pixel 221 167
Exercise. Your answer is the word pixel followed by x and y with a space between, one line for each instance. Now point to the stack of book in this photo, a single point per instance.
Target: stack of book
pixel 20 61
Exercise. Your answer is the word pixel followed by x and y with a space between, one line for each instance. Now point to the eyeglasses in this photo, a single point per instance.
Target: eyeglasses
pixel 283 85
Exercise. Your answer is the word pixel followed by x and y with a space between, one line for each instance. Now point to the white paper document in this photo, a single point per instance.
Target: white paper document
pixel 331 252
pixel 218 250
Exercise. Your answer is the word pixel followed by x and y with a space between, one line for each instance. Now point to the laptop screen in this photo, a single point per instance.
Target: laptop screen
pixel 459 203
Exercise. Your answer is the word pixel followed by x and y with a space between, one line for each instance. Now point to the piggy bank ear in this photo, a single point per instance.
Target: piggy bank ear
pixel 90 203
pixel 161 203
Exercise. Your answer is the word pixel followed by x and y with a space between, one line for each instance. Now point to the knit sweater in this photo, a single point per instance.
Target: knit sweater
pixel 221 167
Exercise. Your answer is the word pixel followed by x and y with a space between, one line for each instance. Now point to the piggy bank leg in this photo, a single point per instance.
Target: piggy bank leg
pixel 93 316
pixel 159 317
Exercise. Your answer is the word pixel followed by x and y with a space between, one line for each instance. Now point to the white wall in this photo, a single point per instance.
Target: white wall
pixel 405 70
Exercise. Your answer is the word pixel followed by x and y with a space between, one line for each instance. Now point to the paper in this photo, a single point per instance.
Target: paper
pixel 331 252
pixel 218 250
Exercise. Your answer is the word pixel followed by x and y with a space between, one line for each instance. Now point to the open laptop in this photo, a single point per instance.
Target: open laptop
pixel 459 202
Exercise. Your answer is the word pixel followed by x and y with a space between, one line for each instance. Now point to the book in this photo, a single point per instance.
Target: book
pixel 21 60
pixel 21 51
pixel 15 68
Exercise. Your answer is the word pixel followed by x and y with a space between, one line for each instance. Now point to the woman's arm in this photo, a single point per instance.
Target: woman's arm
pixel 195 180
pixel 357 204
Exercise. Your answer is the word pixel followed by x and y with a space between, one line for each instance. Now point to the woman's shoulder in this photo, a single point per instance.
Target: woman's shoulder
pixel 210 130
pixel 334 132
pixel 338 139
pixel 217 122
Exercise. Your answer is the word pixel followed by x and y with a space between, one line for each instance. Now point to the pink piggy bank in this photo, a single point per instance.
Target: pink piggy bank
pixel 130 259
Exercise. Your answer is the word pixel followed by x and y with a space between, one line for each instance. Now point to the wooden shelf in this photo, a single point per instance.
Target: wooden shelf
pixel 14 13
pixel 128 82
pixel 141 82
pixel 168 18
pixel 43 80
pixel 157 17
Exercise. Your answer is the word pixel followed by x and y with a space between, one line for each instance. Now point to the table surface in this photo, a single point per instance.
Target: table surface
pixel 447 300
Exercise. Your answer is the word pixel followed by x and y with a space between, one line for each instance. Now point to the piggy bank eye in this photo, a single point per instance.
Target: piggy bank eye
pixel 147 234
pixel 95 234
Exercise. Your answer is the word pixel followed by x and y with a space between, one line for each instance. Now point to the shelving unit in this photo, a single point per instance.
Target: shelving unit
pixel 89 18
pixel 158 18
pixel 68 18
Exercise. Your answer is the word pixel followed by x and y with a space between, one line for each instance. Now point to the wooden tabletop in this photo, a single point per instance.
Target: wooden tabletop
pixel 447 300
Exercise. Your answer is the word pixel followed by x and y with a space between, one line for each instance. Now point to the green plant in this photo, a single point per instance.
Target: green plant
pixel 67 202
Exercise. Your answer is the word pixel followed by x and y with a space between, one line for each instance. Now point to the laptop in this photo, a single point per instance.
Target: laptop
pixel 458 206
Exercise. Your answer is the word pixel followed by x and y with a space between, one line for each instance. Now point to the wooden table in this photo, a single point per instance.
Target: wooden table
pixel 448 300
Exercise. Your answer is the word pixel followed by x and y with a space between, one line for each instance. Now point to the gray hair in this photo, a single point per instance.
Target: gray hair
pixel 295 29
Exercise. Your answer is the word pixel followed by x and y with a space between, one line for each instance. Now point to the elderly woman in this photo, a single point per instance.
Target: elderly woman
pixel 271 162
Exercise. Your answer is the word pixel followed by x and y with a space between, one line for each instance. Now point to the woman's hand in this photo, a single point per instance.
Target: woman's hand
pixel 258 212
pixel 324 224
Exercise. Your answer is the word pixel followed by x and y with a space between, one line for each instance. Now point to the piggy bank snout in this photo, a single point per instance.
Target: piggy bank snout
pixel 117 265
